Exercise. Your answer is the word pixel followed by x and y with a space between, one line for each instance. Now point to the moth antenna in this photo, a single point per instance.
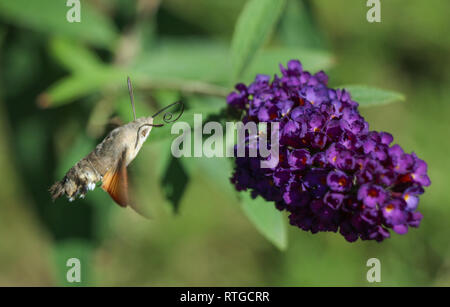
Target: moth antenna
pixel 130 91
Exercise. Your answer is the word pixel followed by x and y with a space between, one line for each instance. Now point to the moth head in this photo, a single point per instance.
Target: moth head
pixel 143 127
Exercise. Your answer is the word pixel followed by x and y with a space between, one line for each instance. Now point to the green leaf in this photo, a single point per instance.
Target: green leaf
pixel 267 61
pixel 208 62
pixel 298 27
pixel 174 182
pixel 74 56
pixel 76 86
pixel 370 96
pixel 49 16
pixel 185 59
pixel 269 221
pixel 218 170
pixel 254 25
pixel 173 173
pixel 80 147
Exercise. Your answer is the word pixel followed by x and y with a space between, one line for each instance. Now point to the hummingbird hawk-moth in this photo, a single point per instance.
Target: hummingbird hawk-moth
pixel 109 160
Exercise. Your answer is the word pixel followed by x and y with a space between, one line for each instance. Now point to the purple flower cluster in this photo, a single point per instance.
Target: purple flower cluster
pixel 333 173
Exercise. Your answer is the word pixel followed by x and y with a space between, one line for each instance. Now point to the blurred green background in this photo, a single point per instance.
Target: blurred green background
pixel 63 86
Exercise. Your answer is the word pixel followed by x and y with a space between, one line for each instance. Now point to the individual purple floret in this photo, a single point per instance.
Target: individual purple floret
pixel 333 172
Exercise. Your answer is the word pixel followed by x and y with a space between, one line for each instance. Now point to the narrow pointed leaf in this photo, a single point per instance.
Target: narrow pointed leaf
pixel 49 16
pixel 369 96
pixel 74 56
pixel 254 25
pixel 269 221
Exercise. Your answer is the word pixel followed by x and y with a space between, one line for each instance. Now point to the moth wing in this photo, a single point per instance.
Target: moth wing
pixel 115 182
pixel 141 211
pixel 136 206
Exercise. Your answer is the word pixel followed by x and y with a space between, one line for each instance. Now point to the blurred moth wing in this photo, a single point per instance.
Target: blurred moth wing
pixel 115 182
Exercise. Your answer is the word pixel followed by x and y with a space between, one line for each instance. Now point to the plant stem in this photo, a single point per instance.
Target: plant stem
pixel 191 87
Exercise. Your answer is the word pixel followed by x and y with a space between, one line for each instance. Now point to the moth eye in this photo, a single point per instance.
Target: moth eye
pixel 144 132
